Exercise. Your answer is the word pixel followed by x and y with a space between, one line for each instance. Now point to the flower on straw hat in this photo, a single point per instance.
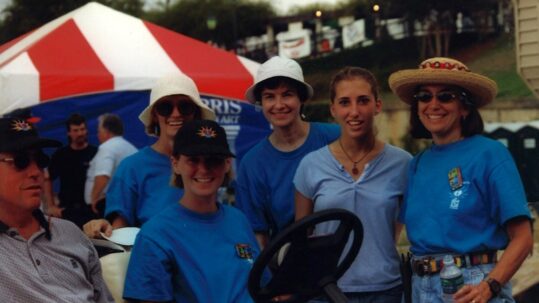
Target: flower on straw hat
pixel 443 71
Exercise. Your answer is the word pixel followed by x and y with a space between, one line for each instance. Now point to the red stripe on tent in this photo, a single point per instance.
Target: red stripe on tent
pixel 215 71
pixel 68 65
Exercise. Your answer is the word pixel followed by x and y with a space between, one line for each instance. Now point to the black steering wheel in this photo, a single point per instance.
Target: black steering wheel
pixel 305 266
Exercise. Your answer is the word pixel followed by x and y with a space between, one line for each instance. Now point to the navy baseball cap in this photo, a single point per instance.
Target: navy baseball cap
pixel 201 138
pixel 17 134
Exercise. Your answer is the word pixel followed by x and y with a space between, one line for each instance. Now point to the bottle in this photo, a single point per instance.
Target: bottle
pixel 451 279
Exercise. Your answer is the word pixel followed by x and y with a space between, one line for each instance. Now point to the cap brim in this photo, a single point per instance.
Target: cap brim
pixel 206 151
pixel 30 143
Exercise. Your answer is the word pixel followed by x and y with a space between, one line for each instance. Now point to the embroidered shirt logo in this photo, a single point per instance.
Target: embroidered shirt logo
pixel 455 178
pixel 21 125
pixel 244 251
pixel 207 132
pixel 458 187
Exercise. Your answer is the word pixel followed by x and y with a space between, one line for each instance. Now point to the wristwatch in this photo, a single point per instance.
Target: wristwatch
pixel 494 285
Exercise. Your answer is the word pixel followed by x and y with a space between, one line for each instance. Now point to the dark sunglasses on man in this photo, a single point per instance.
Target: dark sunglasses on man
pixel 165 108
pixel 21 160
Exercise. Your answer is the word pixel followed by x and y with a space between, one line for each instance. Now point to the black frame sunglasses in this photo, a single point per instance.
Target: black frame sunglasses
pixel 165 108
pixel 21 160
pixel 443 96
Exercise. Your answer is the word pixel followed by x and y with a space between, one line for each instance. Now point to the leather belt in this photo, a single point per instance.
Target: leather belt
pixel 433 265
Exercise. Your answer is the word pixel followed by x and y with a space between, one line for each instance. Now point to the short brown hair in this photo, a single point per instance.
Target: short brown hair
pixel 275 82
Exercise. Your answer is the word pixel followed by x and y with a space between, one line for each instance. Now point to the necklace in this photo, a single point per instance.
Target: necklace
pixel 355 171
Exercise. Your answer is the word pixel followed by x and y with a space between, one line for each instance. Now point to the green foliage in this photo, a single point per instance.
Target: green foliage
pixel 235 19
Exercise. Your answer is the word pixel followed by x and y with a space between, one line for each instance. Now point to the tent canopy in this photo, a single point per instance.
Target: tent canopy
pixel 97 49
pixel 95 60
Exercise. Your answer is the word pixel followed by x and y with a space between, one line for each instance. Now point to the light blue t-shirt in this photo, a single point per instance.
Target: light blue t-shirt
pixel 141 188
pixel 373 197
pixel 459 197
pixel 184 256
pixel 265 192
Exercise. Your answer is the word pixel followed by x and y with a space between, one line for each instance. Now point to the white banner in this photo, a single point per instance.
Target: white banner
pixel 296 44
pixel 353 33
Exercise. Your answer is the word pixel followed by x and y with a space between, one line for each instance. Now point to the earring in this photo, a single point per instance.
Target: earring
pixel 156 130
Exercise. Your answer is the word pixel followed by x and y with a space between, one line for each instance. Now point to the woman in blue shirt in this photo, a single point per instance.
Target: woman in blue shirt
pixel 464 194
pixel 196 249
pixel 364 175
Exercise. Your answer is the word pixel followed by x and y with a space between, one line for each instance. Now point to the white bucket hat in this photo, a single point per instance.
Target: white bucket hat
pixel 278 67
pixel 177 84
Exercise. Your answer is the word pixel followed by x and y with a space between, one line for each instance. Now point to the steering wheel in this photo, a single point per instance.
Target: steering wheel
pixel 306 266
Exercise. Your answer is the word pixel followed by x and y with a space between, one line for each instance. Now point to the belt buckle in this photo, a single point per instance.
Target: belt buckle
pixel 425 266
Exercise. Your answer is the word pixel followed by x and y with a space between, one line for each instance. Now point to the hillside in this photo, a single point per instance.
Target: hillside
pixel 493 57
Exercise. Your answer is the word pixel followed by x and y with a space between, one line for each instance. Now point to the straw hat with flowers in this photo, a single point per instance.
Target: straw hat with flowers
pixel 444 71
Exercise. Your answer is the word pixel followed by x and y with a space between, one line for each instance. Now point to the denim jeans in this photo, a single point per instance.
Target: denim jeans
pixel 392 295
pixel 428 289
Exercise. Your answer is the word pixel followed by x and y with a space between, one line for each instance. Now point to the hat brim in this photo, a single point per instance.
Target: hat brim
pixel 250 92
pixel 404 84
pixel 29 143
pixel 146 115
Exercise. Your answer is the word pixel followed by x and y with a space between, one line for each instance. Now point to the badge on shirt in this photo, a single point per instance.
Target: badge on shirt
pixel 244 251
pixel 455 178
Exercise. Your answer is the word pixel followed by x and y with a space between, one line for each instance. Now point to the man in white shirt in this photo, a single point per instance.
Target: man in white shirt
pixel 113 149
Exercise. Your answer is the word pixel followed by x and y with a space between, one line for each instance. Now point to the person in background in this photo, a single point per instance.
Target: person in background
pixel 264 189
pixel 113 149
pixel 364 175
pixel 464 196
pixel 139 188
pixel 196 249
pixel 70 165
pixel 44 259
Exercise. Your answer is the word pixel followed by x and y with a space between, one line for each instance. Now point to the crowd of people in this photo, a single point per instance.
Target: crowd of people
pixel 462 196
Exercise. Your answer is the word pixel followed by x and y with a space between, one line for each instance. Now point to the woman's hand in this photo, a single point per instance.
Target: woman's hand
pixel 479 293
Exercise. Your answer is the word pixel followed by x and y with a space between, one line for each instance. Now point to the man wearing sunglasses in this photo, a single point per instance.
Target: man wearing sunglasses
pixel 44 259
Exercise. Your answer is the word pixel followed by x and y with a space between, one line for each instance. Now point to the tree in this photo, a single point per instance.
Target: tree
pixel 22 16
pixel 234 19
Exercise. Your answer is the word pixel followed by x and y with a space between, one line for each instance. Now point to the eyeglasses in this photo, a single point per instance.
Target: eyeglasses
pixel 443 97
pixel 166 108
pixel 210 162
pixel 22 160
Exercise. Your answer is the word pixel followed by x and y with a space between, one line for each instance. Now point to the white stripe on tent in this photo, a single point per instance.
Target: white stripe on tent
pixel 19 84
pixel 125 46
pixel 250 65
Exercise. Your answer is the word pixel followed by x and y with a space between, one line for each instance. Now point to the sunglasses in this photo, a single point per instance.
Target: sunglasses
pixel 210 162
pixel 166 108
pixel 443 97
pixel 22 160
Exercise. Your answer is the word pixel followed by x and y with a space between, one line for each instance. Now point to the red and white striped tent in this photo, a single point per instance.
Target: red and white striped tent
pixel 95 48
pixel 97 51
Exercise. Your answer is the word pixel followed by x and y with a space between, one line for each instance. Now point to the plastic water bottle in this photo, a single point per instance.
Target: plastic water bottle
pixel 451 279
